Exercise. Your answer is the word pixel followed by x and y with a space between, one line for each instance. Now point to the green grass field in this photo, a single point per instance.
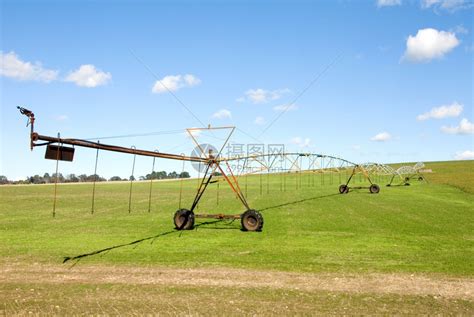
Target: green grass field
pixel 426 229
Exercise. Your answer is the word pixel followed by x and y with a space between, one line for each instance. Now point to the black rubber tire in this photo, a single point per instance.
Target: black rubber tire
pixel 343 189
pixel 251 220
pixel 184 219
pixel 374 189
pixel 407 179
pixel 406 184
pixel 421 178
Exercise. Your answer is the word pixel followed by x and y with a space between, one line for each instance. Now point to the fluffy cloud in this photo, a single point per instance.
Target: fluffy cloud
pixel 445 111
pixel 466 155
pixel 388 3
pixel 88 76
pixel 381 137
pixel 221 114
pixel 174 83
pixel 259 121
pixel 464 127
pixel 62 117
pixel 284 108
pixel 450 5
pixel 429 44
pixel 13 67
pixel 260 95
pixel 306 142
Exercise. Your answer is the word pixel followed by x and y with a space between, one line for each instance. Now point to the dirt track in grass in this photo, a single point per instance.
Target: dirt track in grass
pixel 378 283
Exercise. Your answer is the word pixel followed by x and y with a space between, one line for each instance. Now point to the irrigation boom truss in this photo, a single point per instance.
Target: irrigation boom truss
pixel 230 169
pixel 251 219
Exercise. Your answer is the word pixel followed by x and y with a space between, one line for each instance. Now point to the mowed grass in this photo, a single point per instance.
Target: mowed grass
pixel 309 227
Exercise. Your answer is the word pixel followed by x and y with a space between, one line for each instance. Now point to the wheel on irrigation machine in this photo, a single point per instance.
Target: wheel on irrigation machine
pixel 374 189
pixel 251 220
pixel 343 189
pixel 184 219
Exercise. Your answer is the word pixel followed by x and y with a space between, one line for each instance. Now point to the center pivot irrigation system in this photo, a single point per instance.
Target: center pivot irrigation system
pixel 230 169
pixel 251 219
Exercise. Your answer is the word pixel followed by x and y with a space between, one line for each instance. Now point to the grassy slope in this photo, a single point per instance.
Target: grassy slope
pixel 425 228
pixel 420 228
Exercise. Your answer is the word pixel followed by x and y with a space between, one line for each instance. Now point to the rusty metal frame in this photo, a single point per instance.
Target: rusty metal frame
pixel 212 161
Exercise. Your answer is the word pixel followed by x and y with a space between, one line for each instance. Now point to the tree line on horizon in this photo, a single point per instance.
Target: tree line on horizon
pixel 82 178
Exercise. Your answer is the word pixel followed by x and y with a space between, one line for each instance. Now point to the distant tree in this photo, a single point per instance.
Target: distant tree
pixel 142 178
pixel 173 174
pixel 53 178
pixel 72 178
pixel 4 180
pixel 131 178
pixel 36 179
pixel 47 178
pixel 184 175
pixel 115 179
pixel 162 175
pixel 82 178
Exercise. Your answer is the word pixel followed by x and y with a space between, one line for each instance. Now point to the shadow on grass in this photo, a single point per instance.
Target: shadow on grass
pixel 201 225
pixel 298 202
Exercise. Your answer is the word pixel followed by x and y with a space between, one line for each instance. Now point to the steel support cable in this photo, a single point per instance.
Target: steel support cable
pixel 301 93
pixel 169 90
pixel 56 174
pixel 133 135
pixel 95 179
pixel 181 188
pixel 131 183
pixel 151 182
pixel 217 198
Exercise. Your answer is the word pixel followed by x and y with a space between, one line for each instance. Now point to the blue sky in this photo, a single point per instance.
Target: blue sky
pixel 401 88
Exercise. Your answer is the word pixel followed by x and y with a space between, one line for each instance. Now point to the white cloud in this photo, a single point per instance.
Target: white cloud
pixel 62 117
pixel 174 83
pixel 429 44
pixel 388 3
pixel 466 155
pixel 304 143
pixel 221 114
pixel 381 137
pixel 449 5
pixel 13 67
pixel 260 95
pixel 284 108
pixel 464 127
pixel 259 121
pixel 88 76
pixel 191 80
pixel 460 29
pixel 445 111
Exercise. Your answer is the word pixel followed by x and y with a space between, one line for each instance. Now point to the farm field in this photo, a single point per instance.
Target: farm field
pixel 407 250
